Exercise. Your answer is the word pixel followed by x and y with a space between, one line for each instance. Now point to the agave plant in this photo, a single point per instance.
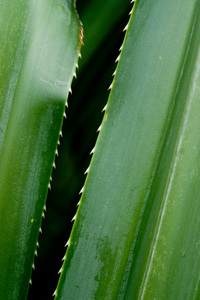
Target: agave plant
pixel 135 233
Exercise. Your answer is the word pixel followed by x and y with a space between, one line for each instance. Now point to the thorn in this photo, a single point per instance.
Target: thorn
pixel 117 59
pixel 36 253
pixel 79 54
pixel 78 203
pixel 37 244
pixel 50 178
pixel 67 244
pixel 75 75
pixel 54 294
pixel 114 73
pixel 43 215
pixel 66 104
pixel 87 170
pixel 70 90
pixel 77 65
pixel 81 191
pixel 40 230
pixel 60 270
pixel 131 12
pixel 63 257
pixel 61 133
pixel 30 281
pixel 74 218
pixel 120 49
pixel 105 107
pixel 45 208
pixel 49 185
pixel 33 266
pixel 58 142
pixel 56 152
pixel 99 129
pixel 65 116
pixel 125 28
pixel 54 165
pixel 110 87
pixel 92 151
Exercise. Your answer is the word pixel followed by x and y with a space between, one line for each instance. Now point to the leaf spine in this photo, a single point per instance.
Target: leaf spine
pixel 67 244
pixel 74 218
pixel 92 151
pixel 54 165
pixel 40 230
pixel 66 104
pixel 131 11
pixel 33 266
pixel 37 244
pixel 60 270
pixel 114 73
pixel 78 203
pixel 61 133
pixel 65 116
pixel 87 170
pixel 56 152
pixel 70 90
pixel 55 293
pixel 30 281
pixel 49 186
pixel 45 208
pixel 99 129
pixel 126 27
pixel 81 191
pixel 105 107
pixel 43 215
pixel 110 87
pixel 63 257
pixel 117 59
pixel 36 253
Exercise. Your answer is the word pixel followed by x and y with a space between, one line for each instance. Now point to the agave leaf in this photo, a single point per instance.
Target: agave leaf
pixel 79 134
pixel 136 232
pixel 39 49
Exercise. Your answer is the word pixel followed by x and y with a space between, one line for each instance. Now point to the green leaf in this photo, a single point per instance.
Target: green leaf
pixel 89 95
pixel 136 230
pixel 38 55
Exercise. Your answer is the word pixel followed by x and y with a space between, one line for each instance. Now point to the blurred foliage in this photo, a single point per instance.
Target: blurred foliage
pixel 103 23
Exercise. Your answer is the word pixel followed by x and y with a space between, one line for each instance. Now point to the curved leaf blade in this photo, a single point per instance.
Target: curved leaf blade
pixel 40 46
pixel 120 242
